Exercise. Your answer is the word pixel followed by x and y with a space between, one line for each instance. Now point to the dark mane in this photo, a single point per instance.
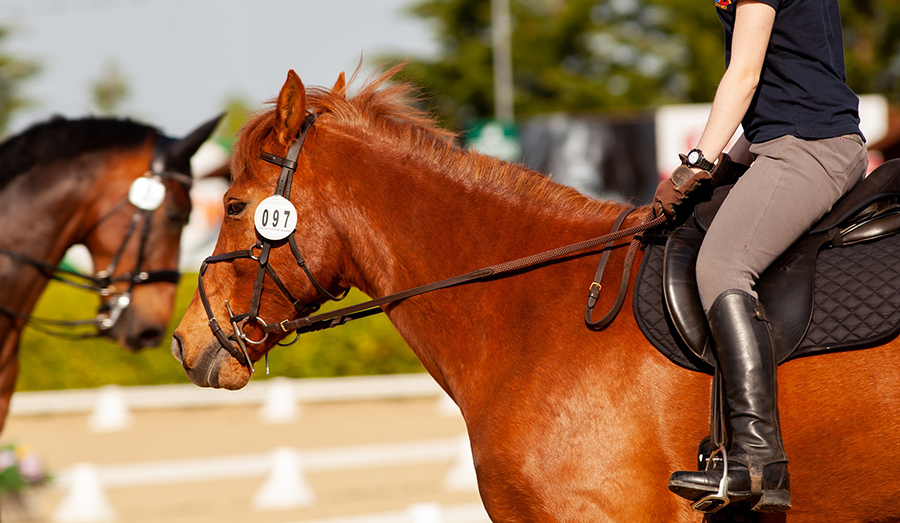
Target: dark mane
pixel 387 112
pixel 59 138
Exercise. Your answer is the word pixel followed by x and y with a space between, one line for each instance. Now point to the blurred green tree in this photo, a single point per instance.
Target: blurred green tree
pixel 587 55
pixel 13 72
pixel 237 112
pixel 872 49
pixel 110 89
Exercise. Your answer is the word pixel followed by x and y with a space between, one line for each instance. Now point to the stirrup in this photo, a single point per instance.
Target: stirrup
pixel 715 502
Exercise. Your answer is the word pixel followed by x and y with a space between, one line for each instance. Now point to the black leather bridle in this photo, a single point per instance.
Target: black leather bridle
pixel 104 282
pixel 259 252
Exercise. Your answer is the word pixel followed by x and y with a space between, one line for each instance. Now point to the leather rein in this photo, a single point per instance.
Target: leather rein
pixel 337 317
pixel 104 282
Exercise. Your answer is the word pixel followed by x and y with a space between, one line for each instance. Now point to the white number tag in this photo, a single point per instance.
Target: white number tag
pixel 275 218
pixel 147 193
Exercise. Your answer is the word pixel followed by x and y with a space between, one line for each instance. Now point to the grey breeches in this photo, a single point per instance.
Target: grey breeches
pixel 790 185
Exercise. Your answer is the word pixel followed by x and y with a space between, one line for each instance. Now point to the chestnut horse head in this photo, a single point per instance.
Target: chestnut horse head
pixel 115 186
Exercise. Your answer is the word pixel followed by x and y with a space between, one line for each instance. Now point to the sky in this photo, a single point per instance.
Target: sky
pixel 182 59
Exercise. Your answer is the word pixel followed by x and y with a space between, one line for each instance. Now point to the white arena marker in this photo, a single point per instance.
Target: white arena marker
pixel 85 501
pixel 462 473
pixel 284 486
pixel 425 513
pixel 280 405
pixel 110 413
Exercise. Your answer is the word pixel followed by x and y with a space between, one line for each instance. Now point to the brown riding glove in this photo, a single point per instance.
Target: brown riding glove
pixel 672 193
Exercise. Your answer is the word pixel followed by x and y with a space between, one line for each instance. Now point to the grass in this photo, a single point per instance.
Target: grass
pixel 368 346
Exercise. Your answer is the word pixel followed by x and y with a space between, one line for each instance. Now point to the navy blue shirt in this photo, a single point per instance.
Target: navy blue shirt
pixel 802 90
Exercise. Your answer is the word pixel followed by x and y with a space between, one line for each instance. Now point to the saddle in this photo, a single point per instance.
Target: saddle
pixel 835 289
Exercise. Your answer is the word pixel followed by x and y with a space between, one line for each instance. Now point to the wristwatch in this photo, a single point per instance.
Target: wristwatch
pixel 694 158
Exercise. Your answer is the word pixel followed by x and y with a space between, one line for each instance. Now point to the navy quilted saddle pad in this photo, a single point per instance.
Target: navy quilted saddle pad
pixel 857 303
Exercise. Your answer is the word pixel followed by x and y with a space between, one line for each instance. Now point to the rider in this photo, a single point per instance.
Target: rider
pixel 785 83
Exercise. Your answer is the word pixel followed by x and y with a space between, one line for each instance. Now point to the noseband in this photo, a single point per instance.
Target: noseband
pixel 259 252
pixel 104 282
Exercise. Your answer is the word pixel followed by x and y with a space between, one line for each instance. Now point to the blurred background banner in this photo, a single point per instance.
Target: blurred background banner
pixel 609 157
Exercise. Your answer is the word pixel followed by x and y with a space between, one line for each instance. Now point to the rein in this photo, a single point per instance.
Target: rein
pixel 341 316
pixel 103 282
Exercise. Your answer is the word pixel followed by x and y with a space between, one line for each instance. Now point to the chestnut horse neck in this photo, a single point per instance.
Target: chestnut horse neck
pixel 409 197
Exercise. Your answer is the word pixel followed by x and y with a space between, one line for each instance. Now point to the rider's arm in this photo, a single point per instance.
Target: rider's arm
pixel 752 27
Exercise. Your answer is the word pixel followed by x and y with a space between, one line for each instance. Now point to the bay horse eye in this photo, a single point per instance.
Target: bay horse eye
pixel 235 208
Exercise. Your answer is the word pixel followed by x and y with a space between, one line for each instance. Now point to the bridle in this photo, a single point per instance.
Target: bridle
pixel 146 194
pixel 306 323
pixel 264 246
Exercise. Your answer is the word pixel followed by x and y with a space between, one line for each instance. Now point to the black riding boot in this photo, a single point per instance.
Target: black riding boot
pixel 757 465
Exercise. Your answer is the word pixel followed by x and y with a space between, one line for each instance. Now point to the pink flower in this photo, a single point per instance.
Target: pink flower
pixel 31 467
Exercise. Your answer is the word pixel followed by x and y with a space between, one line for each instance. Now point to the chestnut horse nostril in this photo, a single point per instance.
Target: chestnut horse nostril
pixel 177 350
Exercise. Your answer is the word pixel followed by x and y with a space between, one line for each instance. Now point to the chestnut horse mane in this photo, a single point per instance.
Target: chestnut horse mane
pixel 60 138
pixel 387 114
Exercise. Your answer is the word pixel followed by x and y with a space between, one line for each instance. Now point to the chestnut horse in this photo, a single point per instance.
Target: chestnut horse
pixel 64 182
pixel 566 424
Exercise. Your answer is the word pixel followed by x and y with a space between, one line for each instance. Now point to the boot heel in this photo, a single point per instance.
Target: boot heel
pixel 774 501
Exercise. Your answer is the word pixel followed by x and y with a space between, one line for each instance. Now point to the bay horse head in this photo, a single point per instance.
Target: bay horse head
pixel 262 209
pixel 134 241
pixel 119 188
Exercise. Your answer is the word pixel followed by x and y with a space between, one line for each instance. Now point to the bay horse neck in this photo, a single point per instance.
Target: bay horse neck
pixel 421 211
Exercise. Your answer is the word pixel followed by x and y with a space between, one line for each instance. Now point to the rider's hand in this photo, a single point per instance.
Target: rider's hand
pixel 673 191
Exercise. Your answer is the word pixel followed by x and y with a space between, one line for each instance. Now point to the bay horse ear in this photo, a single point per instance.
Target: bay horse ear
pixel 178 154
pixel 290 110
pixel 340 87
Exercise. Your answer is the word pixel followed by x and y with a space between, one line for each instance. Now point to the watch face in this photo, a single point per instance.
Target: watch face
pixel 693 157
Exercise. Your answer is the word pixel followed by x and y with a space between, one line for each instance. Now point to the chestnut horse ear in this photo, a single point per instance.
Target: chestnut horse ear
pixel 340 87
pixel 290 110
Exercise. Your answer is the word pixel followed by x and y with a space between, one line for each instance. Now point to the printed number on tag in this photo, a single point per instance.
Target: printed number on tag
pixel 147 193
pixel 275 218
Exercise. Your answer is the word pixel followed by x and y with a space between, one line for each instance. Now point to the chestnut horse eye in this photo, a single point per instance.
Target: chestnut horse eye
pixel 235 208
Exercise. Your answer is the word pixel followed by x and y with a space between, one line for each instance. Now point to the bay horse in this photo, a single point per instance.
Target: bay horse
pixel 66 182
pixel 566 424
